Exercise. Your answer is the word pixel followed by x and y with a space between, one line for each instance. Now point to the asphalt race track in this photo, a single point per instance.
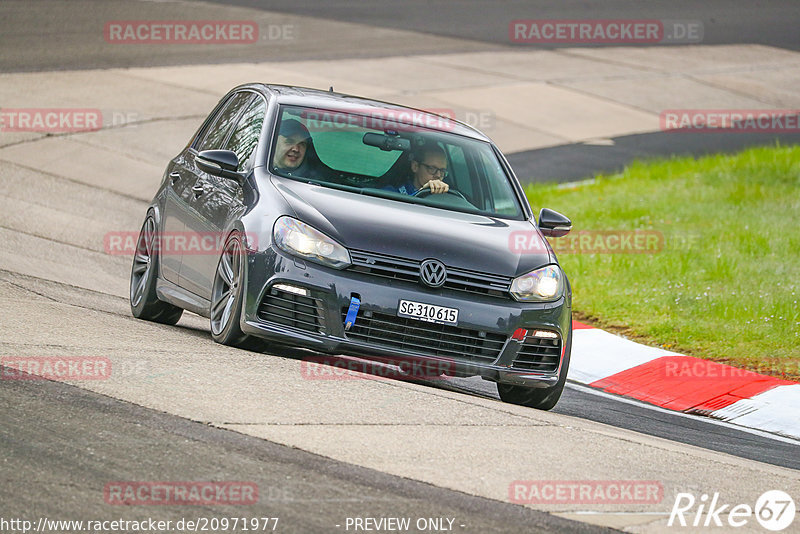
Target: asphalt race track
pixel 724 22
pixel 88 439
pixel 182 408
pixel 472 26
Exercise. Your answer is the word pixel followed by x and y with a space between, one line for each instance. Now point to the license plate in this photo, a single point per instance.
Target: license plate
pixel 427 312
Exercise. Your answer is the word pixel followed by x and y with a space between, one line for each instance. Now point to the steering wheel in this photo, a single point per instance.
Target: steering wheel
pixel 422 193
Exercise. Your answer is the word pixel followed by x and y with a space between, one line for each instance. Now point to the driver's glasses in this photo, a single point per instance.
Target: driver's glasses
pixel 434 170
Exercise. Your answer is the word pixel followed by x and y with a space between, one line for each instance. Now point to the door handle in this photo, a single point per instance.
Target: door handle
pixel 198 189
pixel 174 177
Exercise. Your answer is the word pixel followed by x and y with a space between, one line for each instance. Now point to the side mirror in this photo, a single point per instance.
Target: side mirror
pixel 219 163
pixel 553 224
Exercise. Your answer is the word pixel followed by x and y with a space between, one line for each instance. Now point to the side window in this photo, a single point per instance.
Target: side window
pixel 217 132
pixel 501 192
pixel 247 132
pixel 459 171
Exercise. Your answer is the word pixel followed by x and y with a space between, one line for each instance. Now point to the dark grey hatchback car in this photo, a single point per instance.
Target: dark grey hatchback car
pixel 356 227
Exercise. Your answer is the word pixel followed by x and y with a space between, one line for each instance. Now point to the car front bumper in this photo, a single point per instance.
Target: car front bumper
pixel 481 344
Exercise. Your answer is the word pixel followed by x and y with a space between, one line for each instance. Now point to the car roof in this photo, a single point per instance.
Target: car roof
pixel 309 97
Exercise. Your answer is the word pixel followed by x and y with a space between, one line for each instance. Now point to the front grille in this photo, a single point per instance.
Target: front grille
pixel 288 309
pixel 430 339
pixel 538 354
pixel 408 270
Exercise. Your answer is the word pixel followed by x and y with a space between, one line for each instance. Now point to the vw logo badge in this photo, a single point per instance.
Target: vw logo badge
pixel 432 273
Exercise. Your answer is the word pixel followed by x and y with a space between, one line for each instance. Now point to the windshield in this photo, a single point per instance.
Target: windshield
pixel 393 154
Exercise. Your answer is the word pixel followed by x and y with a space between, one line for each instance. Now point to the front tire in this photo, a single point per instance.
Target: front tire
pixel 144 273
pixel 227 296
pixel 539 398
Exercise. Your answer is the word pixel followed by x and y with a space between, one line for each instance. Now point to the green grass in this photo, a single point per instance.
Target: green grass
pixel 726 284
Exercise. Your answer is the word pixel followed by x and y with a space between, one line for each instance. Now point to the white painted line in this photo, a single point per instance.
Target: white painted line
pixel 700 418
pixel 775 410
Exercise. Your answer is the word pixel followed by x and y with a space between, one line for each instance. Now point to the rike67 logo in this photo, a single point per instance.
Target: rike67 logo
pixel 774 510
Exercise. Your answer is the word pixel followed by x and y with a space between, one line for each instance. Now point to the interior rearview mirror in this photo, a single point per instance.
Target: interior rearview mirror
pixel 386 142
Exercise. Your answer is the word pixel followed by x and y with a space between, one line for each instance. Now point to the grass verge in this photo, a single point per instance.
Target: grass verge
pixel 712 260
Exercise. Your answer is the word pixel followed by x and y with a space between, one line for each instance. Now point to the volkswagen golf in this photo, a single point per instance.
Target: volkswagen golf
pixel 357 227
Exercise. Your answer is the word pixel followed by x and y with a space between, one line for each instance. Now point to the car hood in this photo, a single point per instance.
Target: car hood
pixel 384 226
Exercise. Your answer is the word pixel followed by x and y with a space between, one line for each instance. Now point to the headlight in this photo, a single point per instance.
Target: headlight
pixel 299 239
pixel 540 285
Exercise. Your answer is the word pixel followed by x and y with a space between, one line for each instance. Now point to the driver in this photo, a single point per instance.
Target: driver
pixel 428 170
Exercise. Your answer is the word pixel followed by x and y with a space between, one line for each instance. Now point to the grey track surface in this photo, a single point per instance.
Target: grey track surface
pixel 575 402
pixel 40 35
pixel 580 401
pixel 724 21
pixel 693 430
pixel 52 35
pixel 44 35
pixel 565 163
pixel 62 444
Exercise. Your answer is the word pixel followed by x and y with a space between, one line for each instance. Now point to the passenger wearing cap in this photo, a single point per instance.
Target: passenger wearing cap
pixel 291 148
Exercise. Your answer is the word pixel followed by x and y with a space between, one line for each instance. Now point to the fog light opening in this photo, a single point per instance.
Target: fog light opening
pixel 295 290
pixel 546 334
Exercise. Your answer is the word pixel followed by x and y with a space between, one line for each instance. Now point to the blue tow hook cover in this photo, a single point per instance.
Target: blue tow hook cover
pixel 352 311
